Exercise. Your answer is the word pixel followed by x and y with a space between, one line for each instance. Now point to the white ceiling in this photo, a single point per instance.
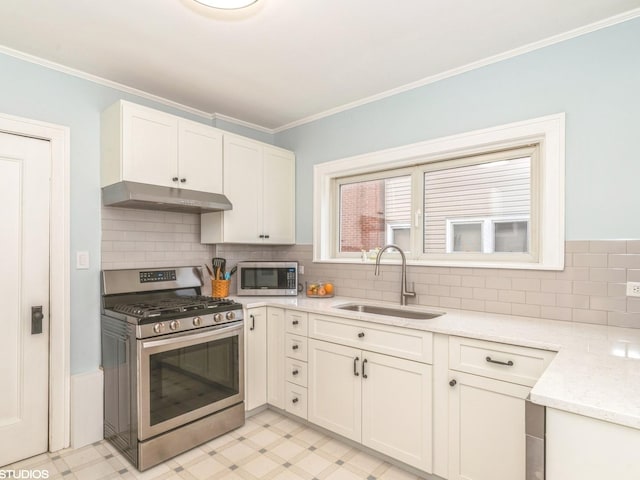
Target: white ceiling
pixel 282 62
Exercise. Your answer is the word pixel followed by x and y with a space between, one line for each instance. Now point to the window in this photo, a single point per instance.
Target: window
pixel 469 200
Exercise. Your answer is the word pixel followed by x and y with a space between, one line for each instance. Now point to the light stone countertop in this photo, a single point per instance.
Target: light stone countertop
pixel 596 372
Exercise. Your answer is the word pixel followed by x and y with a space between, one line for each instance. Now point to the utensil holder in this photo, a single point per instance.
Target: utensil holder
pixel 220 288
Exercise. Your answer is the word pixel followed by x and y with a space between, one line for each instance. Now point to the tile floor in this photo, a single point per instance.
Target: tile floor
pixel 268 446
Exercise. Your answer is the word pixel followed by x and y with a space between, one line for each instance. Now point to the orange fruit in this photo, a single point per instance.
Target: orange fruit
pixel 328 287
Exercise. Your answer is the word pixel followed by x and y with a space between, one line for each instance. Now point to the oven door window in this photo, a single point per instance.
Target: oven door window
pixel 183 380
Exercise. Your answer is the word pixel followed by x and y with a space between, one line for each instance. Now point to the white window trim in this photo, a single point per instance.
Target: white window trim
pixel 548 131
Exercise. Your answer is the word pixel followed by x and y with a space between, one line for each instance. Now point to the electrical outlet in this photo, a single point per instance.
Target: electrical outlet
pixel 633 289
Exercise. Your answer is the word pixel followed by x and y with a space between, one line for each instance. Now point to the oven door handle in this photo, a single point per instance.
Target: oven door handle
pixel 191 338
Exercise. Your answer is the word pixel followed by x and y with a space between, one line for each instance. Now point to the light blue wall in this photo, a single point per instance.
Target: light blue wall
pixel 35 92
pixel 594 78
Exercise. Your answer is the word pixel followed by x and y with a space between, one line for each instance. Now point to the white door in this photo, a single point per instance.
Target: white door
pixel 149 146
pixel 335 395
pixel 255 370
pixel 396 408
pixel 199 157
pixel 275 357
pixel 278 208
pixel 243 186
pixel 25 170
pixel 486 429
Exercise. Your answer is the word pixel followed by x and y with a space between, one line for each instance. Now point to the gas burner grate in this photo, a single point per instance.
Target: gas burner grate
pixel 166 306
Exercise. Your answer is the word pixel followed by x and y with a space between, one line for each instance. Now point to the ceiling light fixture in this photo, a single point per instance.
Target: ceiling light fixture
pixel 227 4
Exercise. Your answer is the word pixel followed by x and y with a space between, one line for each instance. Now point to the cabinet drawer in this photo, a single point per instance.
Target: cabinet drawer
pixel 399 342
pixel 511 363
pixel 297 322
pixel 296 400
pixel 296 371
pixel 296 347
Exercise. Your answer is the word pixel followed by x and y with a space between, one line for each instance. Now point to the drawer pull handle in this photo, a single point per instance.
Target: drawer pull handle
pixel 253 322
pixel 295 400
pixel 295 347
pixel 355 367
pixel 295 322
pixel 508 364
pixel 295 372
pixel 452 383
pixel 361 335
pixel 364 375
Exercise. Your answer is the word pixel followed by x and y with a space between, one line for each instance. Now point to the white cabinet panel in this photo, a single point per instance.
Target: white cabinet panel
pixel 335 394
pixel 486 429
pixel 396 408
pixel 275 357
pixel 199 157
pixel 255 358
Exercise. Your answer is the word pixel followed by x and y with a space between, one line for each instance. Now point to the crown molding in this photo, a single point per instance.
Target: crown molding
pixel 242 123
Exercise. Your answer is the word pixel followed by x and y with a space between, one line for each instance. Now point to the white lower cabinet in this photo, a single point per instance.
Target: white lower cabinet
pixel 382 401
pixel 486 428
pixel 255 355
pixel 488 385
pixel 275 357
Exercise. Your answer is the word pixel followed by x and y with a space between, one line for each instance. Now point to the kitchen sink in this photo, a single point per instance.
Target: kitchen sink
pixel 390 311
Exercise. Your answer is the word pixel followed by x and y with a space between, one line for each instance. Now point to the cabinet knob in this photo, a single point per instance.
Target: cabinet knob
pixel 452 383
pixel 295 400
pixel 266 236
pixel 295 372
pixel 175 179
pixel 295 322
pixel 295 347
pixel 361 335
pixel 261 236
pixel 183 180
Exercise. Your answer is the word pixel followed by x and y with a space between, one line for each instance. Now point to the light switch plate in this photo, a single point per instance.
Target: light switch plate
pixel 82 260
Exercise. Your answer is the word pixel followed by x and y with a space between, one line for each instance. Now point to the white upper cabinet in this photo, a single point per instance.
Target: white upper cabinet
pixel 143 145
pixel 199 157
pixel 259 180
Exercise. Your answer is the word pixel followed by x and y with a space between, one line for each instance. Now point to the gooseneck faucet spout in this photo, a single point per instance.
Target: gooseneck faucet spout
pixel 404 291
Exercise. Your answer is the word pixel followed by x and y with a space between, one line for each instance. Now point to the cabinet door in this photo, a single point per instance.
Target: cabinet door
pixel 396 408
pixel 243 187
pixel 334 389
pixel 200 157
pixel 255 358
pixel 278 208
pixel 486 429
pixel 149 146
pixel 275 357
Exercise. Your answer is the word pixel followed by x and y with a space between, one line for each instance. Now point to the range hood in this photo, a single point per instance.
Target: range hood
pixel 168 199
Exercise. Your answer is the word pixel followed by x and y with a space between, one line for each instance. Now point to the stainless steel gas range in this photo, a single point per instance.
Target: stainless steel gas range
pixel 172 360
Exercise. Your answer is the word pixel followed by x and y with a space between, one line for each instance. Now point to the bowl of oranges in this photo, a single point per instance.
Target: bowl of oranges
pixel 320 289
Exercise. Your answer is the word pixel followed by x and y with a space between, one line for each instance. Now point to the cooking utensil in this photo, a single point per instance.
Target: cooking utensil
pixel 219 263
pixel 209 271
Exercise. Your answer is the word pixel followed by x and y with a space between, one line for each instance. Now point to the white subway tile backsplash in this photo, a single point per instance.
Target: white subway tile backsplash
pixel 590 289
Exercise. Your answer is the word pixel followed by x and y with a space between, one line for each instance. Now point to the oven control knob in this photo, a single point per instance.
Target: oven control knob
pixel 197 321
pixel 217 317
pixel 174 325
pixel 231 315
pixel 158 328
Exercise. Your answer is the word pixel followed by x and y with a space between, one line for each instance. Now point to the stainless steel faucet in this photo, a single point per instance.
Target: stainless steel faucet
pixel 404 291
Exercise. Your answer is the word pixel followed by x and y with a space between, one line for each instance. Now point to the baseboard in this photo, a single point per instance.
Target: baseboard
pixel 86 408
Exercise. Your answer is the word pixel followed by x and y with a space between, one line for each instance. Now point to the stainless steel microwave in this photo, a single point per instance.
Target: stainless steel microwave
pixel 268 278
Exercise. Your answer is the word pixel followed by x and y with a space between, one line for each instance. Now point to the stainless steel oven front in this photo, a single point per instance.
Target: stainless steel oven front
pixel 186 376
